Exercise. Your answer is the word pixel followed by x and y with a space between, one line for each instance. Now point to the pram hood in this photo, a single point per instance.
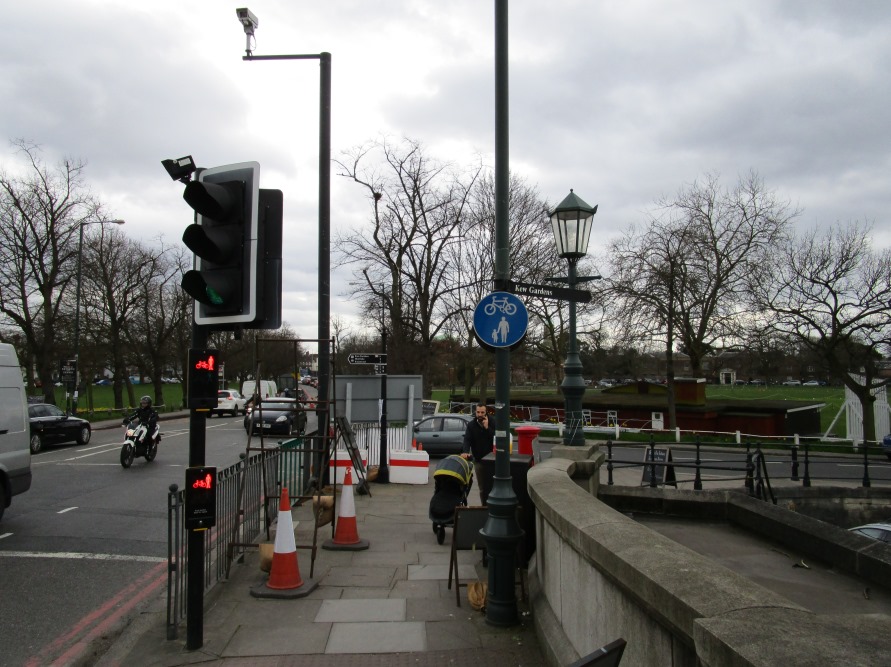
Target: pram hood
pixel 457 467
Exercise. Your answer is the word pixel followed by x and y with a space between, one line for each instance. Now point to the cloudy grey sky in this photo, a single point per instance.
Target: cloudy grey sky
pixel 623 100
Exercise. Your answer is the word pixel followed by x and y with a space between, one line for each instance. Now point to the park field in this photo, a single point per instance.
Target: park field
pixel 832 397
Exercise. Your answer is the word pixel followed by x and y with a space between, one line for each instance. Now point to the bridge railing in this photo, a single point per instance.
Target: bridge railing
pixel 756 464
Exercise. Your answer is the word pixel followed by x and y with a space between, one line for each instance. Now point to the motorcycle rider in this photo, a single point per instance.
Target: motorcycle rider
pixel 146 415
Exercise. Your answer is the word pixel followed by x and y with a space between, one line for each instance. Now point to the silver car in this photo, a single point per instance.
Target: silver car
pixel 877 531
pixel 442 434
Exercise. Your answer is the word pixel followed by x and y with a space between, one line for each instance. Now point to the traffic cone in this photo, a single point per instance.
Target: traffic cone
pixel 284 576
pixel 346 534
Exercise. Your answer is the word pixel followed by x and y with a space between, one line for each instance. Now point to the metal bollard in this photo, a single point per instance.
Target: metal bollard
pixel 697 481
pixel 750 469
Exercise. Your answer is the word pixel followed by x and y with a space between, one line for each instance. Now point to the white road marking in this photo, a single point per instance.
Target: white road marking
pixel 73 555
pixel 67 509
pixel 5 535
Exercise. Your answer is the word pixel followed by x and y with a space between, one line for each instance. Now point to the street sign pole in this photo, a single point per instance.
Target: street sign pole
pixel 383 470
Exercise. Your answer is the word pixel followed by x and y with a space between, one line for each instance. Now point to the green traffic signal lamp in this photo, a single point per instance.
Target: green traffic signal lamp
pixel 224 240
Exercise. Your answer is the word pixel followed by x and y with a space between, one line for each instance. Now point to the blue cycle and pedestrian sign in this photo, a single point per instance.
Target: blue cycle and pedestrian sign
pixel 500 320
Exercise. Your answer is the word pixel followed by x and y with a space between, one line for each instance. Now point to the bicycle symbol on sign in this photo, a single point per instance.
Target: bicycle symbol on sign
pixel 500 304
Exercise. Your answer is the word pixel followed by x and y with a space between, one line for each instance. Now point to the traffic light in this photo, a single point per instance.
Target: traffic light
pixel 224 239
pixel 201 498
pixel 203 378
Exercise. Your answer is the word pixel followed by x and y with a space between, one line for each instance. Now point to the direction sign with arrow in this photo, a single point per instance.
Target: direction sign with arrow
pixel 367 358
pixel 549 292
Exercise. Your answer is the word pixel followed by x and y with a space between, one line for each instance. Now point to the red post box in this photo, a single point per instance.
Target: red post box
pixel 525 435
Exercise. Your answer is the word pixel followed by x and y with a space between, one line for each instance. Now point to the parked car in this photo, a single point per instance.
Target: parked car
pixel 229 400
pixel 297 393
pixel 280 415
pixel 51 425
pixel 442 434
pixel 792 383
pixel 877 531
pixel 606 382
pixel 886 446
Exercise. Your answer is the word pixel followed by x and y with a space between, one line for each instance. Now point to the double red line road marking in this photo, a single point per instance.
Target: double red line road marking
pixel 73 644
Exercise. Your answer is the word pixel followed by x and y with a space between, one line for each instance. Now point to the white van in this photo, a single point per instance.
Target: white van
pixel 267 388
pixel 15 452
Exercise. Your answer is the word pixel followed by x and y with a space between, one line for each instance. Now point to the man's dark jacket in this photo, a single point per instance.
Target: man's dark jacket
pixel 478 440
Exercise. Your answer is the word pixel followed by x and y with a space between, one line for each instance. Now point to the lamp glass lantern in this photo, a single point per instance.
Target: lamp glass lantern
pixel 571 222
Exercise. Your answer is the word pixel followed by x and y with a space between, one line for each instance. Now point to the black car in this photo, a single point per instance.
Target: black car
pixel 280 415
pixel 51 425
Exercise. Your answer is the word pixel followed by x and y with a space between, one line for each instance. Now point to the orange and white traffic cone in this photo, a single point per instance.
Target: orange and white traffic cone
pixel 284 576
pixel 346 533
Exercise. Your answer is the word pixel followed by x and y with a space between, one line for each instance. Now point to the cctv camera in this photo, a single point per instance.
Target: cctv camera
pixel 248 19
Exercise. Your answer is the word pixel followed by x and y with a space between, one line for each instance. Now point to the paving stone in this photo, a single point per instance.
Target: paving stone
pixel 358 611
pixel 397 637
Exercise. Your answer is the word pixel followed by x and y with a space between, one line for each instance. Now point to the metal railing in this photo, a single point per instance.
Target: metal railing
pixel 242 514
pixel 368 438
pixel 748 463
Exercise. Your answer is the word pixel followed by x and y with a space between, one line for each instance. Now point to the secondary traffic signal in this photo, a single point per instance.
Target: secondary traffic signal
pixel 201 498
pixel 203 377
pixel 223 281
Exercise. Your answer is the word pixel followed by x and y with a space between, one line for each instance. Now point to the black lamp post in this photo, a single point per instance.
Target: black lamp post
pixel 80 252
pixel 571 222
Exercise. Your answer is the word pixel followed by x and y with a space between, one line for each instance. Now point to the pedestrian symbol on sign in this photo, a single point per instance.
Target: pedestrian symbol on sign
pixel 500 321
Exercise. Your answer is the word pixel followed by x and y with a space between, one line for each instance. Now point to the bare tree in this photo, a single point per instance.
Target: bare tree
pixel 164 311
pixel 400 264
pixel 697 256
pixel 40 217
pixel 831 292
pixel 648 271
pixel 114 299
pixel 532 258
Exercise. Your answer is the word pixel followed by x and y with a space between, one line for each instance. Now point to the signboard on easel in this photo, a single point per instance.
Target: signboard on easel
pixel 658 465
pixel 349 442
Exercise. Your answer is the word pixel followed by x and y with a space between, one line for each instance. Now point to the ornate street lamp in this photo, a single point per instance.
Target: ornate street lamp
pixel 571 222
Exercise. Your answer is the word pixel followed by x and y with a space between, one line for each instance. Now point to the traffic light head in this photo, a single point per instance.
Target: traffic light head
pixel 224 239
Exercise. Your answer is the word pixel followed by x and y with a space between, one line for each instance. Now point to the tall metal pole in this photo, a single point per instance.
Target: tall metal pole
pixel 502 532
pixel 573 385
pixel 324 325
pixel 324 242
pixel 383 470
pixel 80 252
pixel 195 542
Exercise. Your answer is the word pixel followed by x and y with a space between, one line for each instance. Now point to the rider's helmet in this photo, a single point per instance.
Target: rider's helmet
pixel 145 402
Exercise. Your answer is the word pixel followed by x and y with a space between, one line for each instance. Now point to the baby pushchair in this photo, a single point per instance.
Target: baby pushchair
pixel 452 482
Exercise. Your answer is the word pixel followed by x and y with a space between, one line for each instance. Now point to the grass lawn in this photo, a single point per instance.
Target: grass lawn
pixel 103 400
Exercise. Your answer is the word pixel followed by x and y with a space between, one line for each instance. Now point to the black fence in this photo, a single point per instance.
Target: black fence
pixel 246 504
pixel 751 464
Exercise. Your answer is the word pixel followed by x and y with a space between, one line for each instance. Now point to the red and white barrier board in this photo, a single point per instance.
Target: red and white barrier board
pixel 411 467
pixel 343 462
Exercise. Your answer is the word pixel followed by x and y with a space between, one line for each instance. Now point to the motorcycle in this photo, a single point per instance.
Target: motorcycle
pixel 133 443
